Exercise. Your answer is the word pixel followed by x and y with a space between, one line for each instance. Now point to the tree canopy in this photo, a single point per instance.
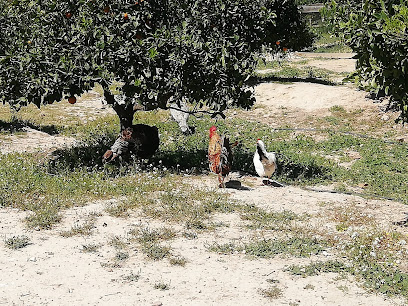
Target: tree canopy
pixel 157 50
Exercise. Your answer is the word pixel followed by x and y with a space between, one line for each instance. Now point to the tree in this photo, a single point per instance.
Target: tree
pixel 378 32
pixel 158 51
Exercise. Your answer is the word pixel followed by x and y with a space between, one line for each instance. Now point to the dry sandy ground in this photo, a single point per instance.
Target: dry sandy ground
pixel 54 270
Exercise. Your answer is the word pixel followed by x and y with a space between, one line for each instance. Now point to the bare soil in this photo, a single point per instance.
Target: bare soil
pixel 54 270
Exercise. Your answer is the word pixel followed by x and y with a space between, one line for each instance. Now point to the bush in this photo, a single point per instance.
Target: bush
pixel 378 32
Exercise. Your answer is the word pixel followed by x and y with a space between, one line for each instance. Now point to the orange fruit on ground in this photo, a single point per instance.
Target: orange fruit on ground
pixel 126 16
pixel 72 100
pixel 68 15
pixel 278 42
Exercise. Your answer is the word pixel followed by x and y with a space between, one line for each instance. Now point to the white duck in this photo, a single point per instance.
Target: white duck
pixel 264 162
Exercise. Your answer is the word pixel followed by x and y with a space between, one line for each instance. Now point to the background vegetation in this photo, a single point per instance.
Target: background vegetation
pixel 378 34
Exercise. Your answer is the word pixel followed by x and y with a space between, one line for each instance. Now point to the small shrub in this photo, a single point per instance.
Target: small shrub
pixel 132 277
pixel 90 248
pixel 121 256
pixel 17 242
pixel 178 261
pixel 272 293
pixel 161 286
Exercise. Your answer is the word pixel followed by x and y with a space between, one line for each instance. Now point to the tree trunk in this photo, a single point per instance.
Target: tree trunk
pixel 124 111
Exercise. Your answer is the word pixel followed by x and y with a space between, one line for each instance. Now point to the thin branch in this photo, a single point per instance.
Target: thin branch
pixel 195 112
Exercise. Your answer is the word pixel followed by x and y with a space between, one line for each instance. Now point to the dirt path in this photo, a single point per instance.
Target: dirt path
pixel 54 270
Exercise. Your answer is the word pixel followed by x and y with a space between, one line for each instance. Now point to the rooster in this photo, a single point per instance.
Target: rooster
pixel 219 155
pixel 264 162
pixel 140 139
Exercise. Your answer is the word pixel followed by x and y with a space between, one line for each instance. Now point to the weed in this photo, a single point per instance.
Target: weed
pixel 344 289
pixel 90 248
pixel 295 246
pixel 317 268
pixel 268 220
pixel 118 243
pixel 178 261
pixel 350 216
pixel 155 251
pixel 161 286
pixel 226 248
pixel 272 293
pixel 190 235
pixel 132 277
pixel 272 281
pixel 17 242
pixel 148 235
pixel 44 217
pixel 83 229
pixel 149 240
pixel 372 254
pixel 121 256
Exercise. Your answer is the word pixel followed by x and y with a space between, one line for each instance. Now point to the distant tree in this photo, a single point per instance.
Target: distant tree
pixel 158 51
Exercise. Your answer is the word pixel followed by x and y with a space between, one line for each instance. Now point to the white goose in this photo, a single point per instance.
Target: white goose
pixel 264 162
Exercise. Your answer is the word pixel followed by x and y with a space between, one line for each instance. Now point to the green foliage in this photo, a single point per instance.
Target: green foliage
pixel 377 32
pixel 157 50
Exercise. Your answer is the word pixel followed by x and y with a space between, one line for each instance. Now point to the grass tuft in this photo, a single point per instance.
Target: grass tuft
pixel 17 242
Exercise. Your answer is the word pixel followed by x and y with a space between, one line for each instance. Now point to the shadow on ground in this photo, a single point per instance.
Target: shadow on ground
pixel 180 161
pixel 17 125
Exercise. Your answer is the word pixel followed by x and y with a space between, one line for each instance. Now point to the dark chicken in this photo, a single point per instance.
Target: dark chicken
pixel 219 155
pixel 140 140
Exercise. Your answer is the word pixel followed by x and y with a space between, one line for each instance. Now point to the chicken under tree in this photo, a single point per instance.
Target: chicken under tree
pixel 140 140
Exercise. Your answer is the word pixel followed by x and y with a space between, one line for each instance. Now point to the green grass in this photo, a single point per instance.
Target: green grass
pixel 150 240
pixel 269 248
pixel 318 267
pixel 77 175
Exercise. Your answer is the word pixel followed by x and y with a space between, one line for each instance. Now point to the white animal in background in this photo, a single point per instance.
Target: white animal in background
pixel 180 114
pixel 264 162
